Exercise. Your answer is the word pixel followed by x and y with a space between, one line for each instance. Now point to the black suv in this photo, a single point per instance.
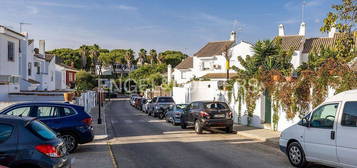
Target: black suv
pixel 207 114
pixel 28 143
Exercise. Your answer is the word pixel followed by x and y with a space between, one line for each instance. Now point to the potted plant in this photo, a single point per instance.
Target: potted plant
pixel 68 96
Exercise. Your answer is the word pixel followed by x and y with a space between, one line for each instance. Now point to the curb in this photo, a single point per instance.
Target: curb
pixel 114 163
pixel 267 141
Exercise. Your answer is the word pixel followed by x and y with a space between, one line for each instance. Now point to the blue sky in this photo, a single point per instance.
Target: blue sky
pixel 184 25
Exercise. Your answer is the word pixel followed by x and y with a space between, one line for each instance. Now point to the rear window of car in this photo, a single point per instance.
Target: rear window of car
pixel 219 106
pixel 182 106
pixel 5 132
pixel 41 130
pixel 166 99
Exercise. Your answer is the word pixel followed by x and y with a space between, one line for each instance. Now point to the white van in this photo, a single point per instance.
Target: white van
pixel 327 135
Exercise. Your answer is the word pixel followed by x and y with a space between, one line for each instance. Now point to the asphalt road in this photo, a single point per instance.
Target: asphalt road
pixel 140 141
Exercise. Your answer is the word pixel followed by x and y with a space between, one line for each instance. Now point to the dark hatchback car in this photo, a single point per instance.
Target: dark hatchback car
pixel 207 114
pixel 70 121
pixel 28 143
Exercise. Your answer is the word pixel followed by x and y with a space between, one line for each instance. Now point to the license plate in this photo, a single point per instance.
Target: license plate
pixel 219 115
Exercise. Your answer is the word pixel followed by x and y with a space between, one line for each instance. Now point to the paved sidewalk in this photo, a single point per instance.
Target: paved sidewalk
pixel 268 136
pixel 96 154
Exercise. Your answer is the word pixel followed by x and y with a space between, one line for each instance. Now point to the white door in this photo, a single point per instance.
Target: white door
pixel 320 141
pixel 347 135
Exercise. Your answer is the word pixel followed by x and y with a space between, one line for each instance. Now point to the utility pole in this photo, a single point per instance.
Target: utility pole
pixel 21 24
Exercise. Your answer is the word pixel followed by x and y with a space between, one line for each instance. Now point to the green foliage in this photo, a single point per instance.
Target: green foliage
pixel 68 56
pixel 171 57
pixel 149 76
pixel 85 81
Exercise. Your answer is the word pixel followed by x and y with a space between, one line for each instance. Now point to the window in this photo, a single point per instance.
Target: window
pixel 324 116
pixel 41 130
pixel 22 111
pixel 218 106
pixel 48 112
pixel 10 51
pixel 29 69
pixel 5 132
pixel 68 111
pixel 166 99
pixel 349 116
pixel 195 106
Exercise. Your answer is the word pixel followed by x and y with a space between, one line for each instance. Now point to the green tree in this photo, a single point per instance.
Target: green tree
pixel 68 56
pixel 344 19
pixel 94 53
pixel 129 57
pixel 152 57
pixel 84 52
pixel 85 81
pixel 171 57
pixel 142 56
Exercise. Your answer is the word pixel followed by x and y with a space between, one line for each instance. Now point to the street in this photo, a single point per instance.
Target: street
pixel 139 141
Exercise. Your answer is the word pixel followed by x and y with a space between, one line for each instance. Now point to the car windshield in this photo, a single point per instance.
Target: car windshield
pixel 181 106
pixel 166 99
pixel 41 130
pixel 216 106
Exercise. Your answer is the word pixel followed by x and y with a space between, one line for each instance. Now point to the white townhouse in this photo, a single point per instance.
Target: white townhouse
pixel 11 51
pixel 60 76
pixel 201 76
pixel 210 62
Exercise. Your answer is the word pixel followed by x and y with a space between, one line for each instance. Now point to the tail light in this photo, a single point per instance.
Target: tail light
pixel 48 150
pixel 204 114
pixel 88 121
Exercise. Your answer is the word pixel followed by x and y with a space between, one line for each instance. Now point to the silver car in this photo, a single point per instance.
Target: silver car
pixel 173 115
pixel 159 106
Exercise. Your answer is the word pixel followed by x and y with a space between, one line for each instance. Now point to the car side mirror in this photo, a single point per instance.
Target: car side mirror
pixel 305 122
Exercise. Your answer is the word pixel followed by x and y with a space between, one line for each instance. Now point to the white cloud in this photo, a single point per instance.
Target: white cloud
pixel 54 4
pixel 125 7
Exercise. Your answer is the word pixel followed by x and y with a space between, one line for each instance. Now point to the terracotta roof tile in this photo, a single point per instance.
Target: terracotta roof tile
pixel 291 42
pixel 316 44
pixel 186 63
pixel 219 75
pixel 213 48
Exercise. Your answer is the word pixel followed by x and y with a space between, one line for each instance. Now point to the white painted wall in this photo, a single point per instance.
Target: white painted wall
pixel 182 76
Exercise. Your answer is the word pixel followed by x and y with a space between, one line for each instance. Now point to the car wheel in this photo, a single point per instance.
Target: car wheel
pixel 229 129
pixel 296 155
pixel 167 119
pixel 173 122
pixel 71 142
pixel 198 127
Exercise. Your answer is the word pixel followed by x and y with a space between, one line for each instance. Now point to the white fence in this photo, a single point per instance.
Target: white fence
pixel 88 100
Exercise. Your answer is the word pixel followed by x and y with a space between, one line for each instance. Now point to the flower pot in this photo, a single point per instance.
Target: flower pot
pixel 68 97
pixel 276 77
pixel 289 78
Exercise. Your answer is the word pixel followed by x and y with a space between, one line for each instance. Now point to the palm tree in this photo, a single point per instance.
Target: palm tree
pixel 84 52
pixel 153 56
pixel 94 53
pixel 142 56
pixel 160 57
pixel 129 57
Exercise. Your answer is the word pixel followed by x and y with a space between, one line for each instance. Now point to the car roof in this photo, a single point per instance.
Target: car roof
pixel 44 103
pixel 13 118
pixel 350 95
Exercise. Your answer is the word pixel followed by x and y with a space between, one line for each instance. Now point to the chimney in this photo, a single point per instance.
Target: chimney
pixel 302 31
pixel 281 30
pixel 42 47
pixel 332 32
pixel 233 36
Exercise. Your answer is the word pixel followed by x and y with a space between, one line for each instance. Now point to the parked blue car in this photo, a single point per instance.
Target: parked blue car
pixel 28 143
pixel 173 115
pixel 70 121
